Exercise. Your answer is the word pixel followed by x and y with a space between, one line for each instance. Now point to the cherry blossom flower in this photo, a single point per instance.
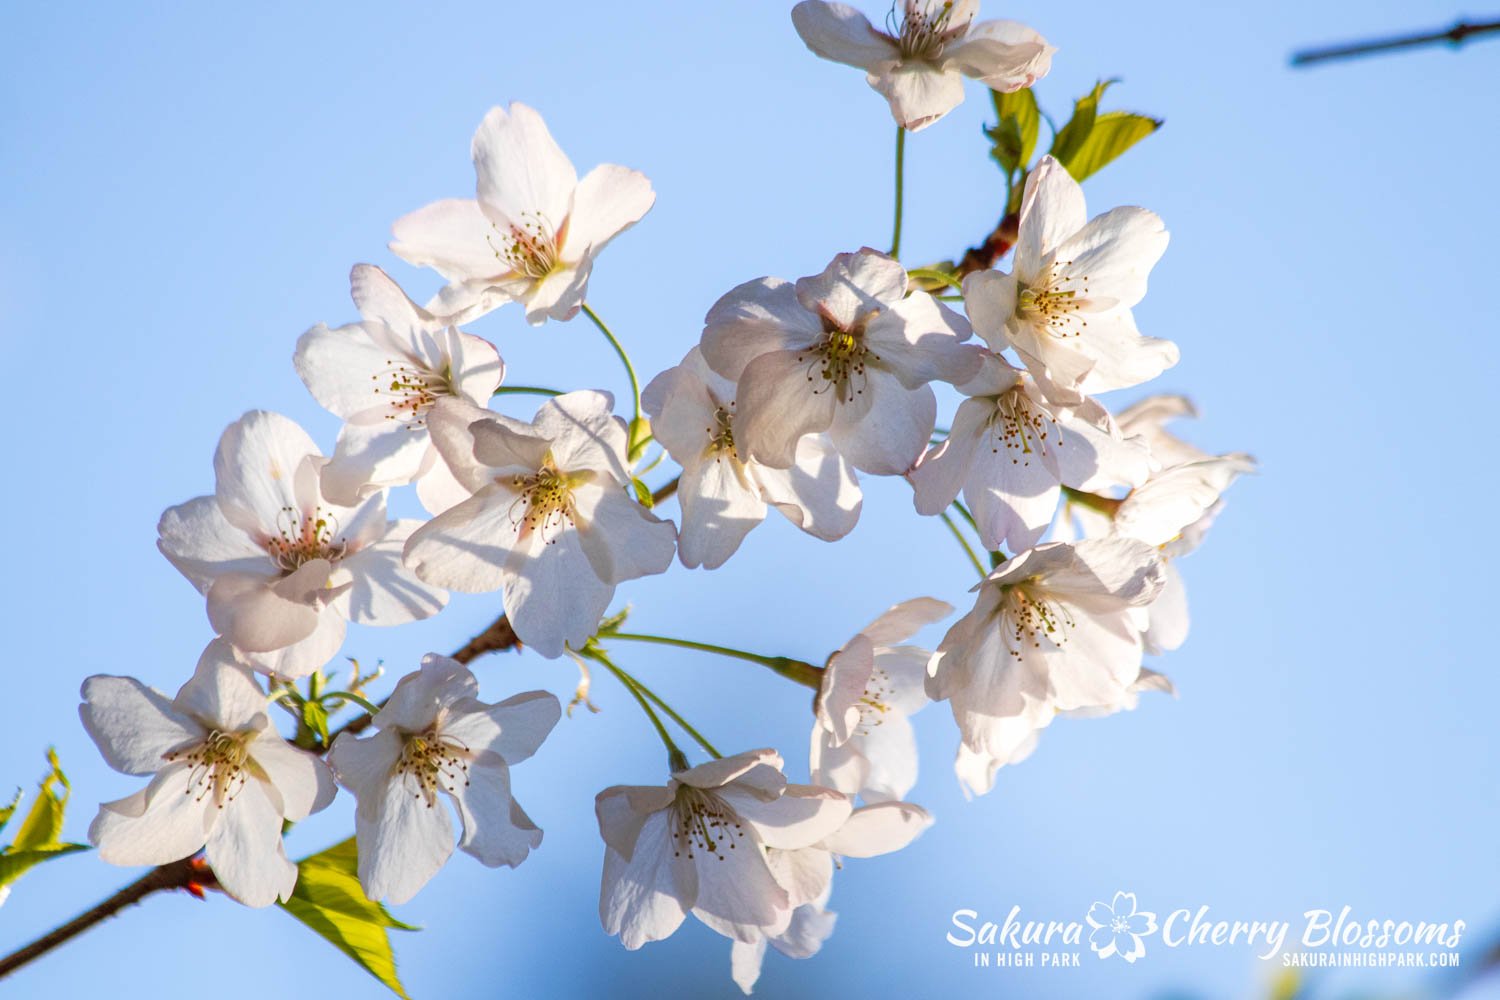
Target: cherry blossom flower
pixel 724 493
pixel 222 778
pixel 701 845
pixel 919 63
pixel 550 520
pixel 862 742
pixel 807 873
pixel 848 352
pixel 1065 306
pixel 284 568
pixel 1119 927
pixel 382 375
pixel 533 233
pixel 1010 451
pixel 1053 628
pixel 435 737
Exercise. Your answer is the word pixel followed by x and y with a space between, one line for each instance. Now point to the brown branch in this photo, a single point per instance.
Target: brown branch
pixel 189 873
pixel 1454 36
pixel 994 246
pixel 664 492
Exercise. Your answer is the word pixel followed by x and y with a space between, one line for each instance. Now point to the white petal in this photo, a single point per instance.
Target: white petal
pixel 818 494
pixel 800 817
pixel 246 852
pixel 302 658
pixel 737 894
pixel 465 548
pixel 905 620
pixel 890 747
pixel 1003 55
pixel 513 729
pixel 403 841
pixel 778 405
pixel 622 539
pixel 453 237
pixel 203 545
pixel 303 781
pixel 496 830
pixel 838 32
pixel 609 200
pixel 223 693
pixel 521 170
pixel 133 725
pixel 250 611
pixel 745 957
pixel 720 506
pixel 854 286
pixel 878 829
pixel 806 874
pixel 424 694
pixel 382 590
pixel 887 440
pixel 1052 211
pixel 844 683
pixel 166 821
pixel 552 594
pixel 918 94
pixel 264 464
pixel 755 318
pixel 646 898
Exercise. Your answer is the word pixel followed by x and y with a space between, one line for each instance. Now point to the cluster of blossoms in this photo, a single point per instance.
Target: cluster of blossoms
pixel 794 390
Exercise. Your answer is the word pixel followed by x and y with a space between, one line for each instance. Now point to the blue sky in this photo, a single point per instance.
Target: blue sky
pixel 186 189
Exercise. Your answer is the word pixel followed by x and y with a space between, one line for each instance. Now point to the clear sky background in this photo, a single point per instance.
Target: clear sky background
pixel 185 189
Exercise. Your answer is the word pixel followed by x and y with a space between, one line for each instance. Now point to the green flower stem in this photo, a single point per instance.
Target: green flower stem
pixel 795 670
pixel 635 385
pixel 1104 505
pixel 964 512
pixel 353 699
pixel 676 759
pixel 671 713
pixel 525 390
pixel 964 543
pixel 900 183
pixel 933 274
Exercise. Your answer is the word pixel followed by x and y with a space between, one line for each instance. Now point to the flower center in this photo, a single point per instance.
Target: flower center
pixel 532 248
pixel 300 538
pixel 545 503
pixel 411 391
pixel 924 28
pixel 431 762
pixel 839 360
pixel 701 822
pixel 1021 429
pixel 1055 301
pixel 1027 618
pixel 217 766
pixel 874 704
pixel 1119 925
pixel 721 434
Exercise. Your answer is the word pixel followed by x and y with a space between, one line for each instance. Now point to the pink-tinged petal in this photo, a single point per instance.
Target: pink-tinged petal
pixel 496 830
pixel 403 841
pixel 761 767
pixel 844 681
pixel 261 468
pixel 622 811
pixel 919 340
pixel 513 730
pixel 890 746
pixel 609 200
pixel 364 766
pixel 941 472
pixel 758 317
pixel 584 432
pixel 249 611
pixel 647 897
pixel 465 548
pixel 905 620
pixel 746 957
pixel 303 781
pixel 800 817
pixel 523 174
pixel 842 768
pixel 1113 254
pixel 223 693
pixel 622 539
pixel 1012 494
pixel 888 439
pixel 552 595
pixel 1002 55
pixel 165 821
pixel 1052 211
pixel 371 457
pixel 424 694
pixel 806 874
pixel 438 489
pixel 559 296
pixel 133 725
pixel 720 506
pixel 302 658
pixel 453 237
pixel 501 444
pixel 476 367
pixel 919 94
pixel 380 300
pixel 466 301
pixel 202 544
pixel 340 367
pixel 683 410
pixel 245 849
pixel 382 590
pixel 737 894
pixel 779 404
pixel 878 829
pixel 990 300
pixel 852 286
pixel 842 34
pixel 818 494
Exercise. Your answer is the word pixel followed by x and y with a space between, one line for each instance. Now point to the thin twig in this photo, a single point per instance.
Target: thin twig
pixel 1454 36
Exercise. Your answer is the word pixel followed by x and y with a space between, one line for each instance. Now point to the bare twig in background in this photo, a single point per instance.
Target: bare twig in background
pixel 1454 36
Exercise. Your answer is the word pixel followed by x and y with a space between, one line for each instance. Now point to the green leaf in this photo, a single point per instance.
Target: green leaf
pixel 328 899
pixel 1070 137
pixel 315 718
pixel 44 821
pixel 7 812
pixel 643 494
pixel 1112 134
pixel 1015 135
pixel 14 864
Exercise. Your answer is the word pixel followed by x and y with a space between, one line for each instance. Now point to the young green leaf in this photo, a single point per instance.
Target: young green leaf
pixel 1016 134
pixel 1112 134
pixel 643 494
pixel 328 899
pixel 14 864
pixel 44 821
pixel 10 810
pixel 1070 138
